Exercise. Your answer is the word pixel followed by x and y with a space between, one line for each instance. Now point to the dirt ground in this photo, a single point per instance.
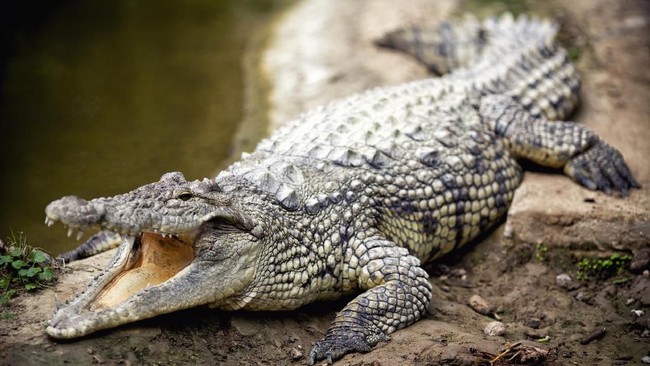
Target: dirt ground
pixel 322 50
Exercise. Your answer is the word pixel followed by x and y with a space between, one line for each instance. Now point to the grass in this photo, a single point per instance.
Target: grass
pixel 22 268
pixel 603 268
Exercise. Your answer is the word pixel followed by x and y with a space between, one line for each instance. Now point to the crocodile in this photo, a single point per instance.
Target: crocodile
pixel 352 197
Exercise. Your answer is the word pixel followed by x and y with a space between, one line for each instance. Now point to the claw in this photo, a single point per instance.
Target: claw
pixel 602 167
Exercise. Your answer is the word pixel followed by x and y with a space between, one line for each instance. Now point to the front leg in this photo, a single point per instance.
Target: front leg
pixel 397 295
pixel 585 158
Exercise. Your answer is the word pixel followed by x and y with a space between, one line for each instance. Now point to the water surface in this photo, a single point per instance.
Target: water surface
pixel 99 97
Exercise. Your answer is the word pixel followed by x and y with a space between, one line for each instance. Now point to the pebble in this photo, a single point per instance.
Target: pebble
pixel 645 334
pixel 296 353
pixel 630 301
pixel 638 313
pixel 563 280
pixel 640 260
pixel 480 305
pixel 495 329
pixel 646 359
pixel 534 323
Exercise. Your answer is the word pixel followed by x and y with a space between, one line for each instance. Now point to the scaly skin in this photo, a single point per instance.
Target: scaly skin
pixel 350 197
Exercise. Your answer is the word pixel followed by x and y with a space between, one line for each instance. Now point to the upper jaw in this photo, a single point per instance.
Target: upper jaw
pixel 78 214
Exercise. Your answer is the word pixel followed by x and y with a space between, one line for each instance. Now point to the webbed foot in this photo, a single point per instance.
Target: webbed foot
pixel 603 168
pixel 339 342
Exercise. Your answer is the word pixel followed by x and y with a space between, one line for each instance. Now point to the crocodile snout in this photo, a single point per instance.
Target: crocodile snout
pixel 75 211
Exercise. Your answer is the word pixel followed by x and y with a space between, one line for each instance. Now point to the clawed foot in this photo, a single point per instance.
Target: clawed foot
pixel 602 167
pixel 335 346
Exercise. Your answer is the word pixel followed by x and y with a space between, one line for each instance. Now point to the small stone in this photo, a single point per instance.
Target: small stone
pixel 584 297
pixel 638 313
pixel 645 359
pixel 630 301
pixel 495 329
pixel 509 232
pixel 480 305
pixel 640 261
pixel 645 334
pixel 564 280
pixel 533 323
pixel 296 354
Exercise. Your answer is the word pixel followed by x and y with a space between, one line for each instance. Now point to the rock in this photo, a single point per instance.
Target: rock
pixel 480 305
pixel 564 280
pixel 637 313
pixel 495 329
pixel 533 323
pixel 640 290
pixel 297 353
pixel 640 260
pixel 645 359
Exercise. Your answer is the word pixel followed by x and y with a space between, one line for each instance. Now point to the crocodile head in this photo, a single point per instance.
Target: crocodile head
pixel 183 244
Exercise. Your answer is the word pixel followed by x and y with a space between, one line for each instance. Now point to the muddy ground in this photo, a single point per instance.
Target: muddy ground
pixel 322 50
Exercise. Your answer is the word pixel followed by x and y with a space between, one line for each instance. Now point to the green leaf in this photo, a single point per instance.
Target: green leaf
pixel 18 264
pixel 38 256
pixel 22 272
pixel 4 282
pixel 30 286
pixel 33 271
pixel 4 259
pixel 4 298
pixel 46 275
pixel 7 315
pixel 15 252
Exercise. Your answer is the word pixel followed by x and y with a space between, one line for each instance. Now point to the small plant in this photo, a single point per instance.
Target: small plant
pixel 540 252
pixel 602 268
pixel 22 268
pixel 574 53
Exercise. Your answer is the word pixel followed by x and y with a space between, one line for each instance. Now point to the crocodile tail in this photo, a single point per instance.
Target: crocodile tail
pixel 500 55
pixel 451 45
pixel 441 48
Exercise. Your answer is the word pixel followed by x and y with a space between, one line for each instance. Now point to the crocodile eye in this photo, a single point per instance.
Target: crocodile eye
pixel 184 196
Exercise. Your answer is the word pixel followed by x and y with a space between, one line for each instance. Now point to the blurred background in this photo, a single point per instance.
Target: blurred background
pixel 99 97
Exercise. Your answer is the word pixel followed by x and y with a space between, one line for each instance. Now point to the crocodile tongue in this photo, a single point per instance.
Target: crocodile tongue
pixel 153 260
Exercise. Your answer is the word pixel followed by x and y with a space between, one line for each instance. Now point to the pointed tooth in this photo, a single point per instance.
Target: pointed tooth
pixel 70 231
pixel 47 220
pixel 80 234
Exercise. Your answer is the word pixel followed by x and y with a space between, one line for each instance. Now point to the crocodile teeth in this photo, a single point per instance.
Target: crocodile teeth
pixel 80 234
pixel 70 231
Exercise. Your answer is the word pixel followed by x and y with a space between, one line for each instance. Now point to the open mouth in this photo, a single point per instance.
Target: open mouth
pixel 152 260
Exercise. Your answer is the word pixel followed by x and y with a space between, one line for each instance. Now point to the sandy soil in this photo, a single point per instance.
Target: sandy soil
pixel 322 50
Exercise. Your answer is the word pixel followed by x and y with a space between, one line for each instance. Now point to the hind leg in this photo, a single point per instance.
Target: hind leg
pixel 585 158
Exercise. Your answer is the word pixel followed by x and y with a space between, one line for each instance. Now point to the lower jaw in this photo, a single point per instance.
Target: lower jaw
pixel 153 260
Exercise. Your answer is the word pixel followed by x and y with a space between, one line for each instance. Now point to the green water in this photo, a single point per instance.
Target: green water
pixel 99 97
